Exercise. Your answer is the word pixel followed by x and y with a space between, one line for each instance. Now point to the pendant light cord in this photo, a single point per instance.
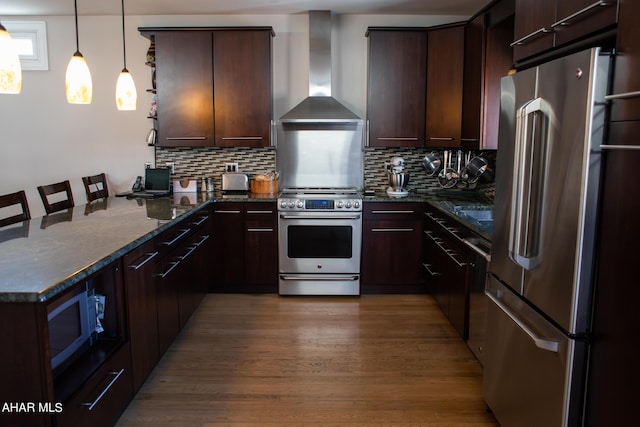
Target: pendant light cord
pixel 75 7
pixel 124 48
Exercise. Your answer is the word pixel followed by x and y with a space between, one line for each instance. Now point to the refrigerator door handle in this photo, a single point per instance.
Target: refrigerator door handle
pixel 530 157
pixel 541 343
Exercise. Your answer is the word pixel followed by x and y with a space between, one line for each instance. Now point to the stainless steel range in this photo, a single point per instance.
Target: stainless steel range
pixel 320 234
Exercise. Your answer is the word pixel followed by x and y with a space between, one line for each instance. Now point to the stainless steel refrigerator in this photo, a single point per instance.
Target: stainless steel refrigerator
pixel 541 273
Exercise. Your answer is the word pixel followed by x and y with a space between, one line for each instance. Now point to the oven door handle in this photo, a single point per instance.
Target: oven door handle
pixel 319 217
pixel 319 278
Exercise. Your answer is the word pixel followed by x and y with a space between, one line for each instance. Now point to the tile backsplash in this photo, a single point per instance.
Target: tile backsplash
pixel 194 163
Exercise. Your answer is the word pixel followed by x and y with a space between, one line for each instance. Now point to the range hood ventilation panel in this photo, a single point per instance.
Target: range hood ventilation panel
pixel 320 106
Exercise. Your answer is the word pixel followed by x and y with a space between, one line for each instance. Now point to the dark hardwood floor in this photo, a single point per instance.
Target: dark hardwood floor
pixel 266 360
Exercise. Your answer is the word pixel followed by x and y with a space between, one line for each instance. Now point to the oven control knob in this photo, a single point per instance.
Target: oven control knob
pixel 348 204
pixel 283 204
pixel 356 204
pixel 299 204
pixel 292 204
pixel 340 204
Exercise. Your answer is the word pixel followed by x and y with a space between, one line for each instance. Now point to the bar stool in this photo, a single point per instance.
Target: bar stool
pixel 96 187
pixel 59 187
pixel 18 198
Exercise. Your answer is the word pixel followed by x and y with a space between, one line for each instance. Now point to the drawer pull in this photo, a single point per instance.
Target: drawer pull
pixel 622 95
pixel 226 212
pixel 259 212
pixel 441 139
pixel 149 257
pixel 567 20
pixel 202 220
pixel 242 138
pixel 620 147
pixel 260 230
pixel 91 405
pixel 183 233
pixel 392 230
pixel 432 273
pixel 393 212
pixel 186 138
pixel 203 239
pixel 524 39
pixel 173 264
pixel 397 138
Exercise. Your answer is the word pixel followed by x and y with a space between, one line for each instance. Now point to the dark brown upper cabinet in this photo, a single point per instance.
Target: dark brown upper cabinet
pixel 184 84
pixel 213 86
pixel 541 25
pixel 625 96
pixel 396 87
pixel 445 70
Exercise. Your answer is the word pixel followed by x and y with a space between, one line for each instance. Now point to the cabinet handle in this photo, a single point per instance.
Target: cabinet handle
pixel 620 147
pixel 392 212
pixel 432 273
pixel 243 138
pixel 259 230
pixel 226 212
pixel 178 237
pixel 432 237
pixel 391 230
pixel 397 138
pixel 622 95
pixel 173 264
pixel 567 20
pixel 470 139
pixel 203 239
pixel 259 212
pixel 187 138
pixel 150 256
pixel 91 405
pixel 441 139
pixel 191 249
pixel 202 219
pixel 523 40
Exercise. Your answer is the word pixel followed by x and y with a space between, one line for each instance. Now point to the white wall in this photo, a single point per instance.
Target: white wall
pixel 45 140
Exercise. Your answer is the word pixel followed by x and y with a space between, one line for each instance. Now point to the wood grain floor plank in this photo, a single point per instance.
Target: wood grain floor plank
pixel 265 360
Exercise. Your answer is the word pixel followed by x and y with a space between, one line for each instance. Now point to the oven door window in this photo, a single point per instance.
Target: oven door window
pixel 319 241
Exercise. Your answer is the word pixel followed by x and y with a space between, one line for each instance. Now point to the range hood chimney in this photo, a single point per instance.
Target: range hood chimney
pixel 320 106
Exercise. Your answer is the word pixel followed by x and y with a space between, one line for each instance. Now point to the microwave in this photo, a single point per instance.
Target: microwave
pixel 72 326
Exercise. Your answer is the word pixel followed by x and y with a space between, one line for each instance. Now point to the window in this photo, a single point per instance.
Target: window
pixel 30 38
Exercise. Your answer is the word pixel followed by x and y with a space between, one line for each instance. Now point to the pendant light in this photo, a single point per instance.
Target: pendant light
pixel 126 95
pixel 10 69
pixel 78 83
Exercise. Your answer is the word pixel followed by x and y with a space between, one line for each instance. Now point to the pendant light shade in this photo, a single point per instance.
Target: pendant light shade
pixel 10 69
pixel 78 83
pixel 126 94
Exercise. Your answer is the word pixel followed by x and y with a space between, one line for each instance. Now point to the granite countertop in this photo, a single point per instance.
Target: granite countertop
pixel 453 203
pixel 43 256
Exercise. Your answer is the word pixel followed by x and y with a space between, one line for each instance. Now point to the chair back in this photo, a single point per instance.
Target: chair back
pixel 96 187
pixel 59 187
pixel 19 198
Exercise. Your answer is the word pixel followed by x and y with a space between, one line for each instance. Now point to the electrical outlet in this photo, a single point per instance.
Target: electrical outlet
pixel 147 165
pixel 231 167
pixel 171 166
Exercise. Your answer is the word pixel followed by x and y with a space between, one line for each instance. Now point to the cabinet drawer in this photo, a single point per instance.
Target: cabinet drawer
pixel 391 211
pixel 104 396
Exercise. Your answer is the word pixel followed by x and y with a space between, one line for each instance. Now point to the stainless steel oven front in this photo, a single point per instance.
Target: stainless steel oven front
pixel 319 248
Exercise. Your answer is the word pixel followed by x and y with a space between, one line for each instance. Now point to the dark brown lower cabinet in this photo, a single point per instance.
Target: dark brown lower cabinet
pixel 448 264
pixel 246 247
pixel 613 368
pixel 392 248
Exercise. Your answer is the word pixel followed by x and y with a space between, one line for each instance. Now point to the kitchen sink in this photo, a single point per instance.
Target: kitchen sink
pixel 480 216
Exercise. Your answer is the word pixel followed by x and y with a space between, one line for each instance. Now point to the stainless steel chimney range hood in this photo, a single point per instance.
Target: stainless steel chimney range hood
pixel 320 106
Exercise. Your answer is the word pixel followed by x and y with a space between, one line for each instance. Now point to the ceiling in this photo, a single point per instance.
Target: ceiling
pixel 238 7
